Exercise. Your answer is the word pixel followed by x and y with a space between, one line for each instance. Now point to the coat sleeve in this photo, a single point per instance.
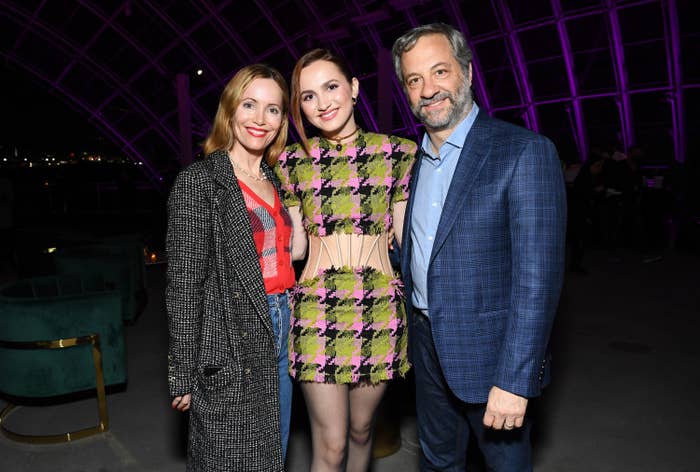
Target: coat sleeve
pixel 537 221
pixel 188 243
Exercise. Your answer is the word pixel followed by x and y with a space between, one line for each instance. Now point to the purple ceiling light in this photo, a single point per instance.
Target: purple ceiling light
pixel 589 58
pixel 673 57
pixel 505 24
pixel 618 57
pixel 578 122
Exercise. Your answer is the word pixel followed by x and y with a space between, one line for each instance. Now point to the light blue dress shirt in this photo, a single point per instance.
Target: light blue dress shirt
pixel 436 173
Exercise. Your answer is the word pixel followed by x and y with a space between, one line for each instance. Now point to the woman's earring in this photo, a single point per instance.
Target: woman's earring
pixel 354 100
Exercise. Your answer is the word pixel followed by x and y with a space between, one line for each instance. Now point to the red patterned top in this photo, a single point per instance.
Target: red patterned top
pixel 272 232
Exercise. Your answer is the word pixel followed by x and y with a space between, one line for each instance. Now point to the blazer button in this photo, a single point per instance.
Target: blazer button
pixel 247 371
pixel 244 334
pixel 236 294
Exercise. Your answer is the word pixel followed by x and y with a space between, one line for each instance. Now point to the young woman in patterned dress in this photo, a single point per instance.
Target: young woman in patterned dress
pixel 348 334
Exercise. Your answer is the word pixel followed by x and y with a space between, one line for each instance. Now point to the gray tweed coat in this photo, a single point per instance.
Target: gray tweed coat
pixel 221 340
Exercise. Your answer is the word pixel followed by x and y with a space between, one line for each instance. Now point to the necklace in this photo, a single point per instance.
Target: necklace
pixel 337 141
pixel 245 172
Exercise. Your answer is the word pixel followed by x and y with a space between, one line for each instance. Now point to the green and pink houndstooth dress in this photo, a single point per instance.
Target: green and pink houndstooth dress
pixel 348 325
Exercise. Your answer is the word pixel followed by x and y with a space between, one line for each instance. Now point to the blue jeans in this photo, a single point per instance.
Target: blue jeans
pixel 445 422
pixel 279 314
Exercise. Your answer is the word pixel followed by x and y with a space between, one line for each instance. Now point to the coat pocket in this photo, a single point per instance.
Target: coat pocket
pixel 214 378
pixel 210 370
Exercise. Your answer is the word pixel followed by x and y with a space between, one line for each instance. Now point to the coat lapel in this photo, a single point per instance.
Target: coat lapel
pixel 237 233
pixel 474 152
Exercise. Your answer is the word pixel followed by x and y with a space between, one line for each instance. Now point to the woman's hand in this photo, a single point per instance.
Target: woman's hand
pixel 299 238
pixel 182 403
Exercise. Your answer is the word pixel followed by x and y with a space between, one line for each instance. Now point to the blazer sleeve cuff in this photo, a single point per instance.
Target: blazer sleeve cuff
pixel 528 386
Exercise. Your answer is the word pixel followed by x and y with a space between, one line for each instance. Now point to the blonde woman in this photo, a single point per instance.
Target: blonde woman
pixel 229 271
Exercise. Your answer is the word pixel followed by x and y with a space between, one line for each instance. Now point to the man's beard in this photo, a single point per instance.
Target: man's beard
pixel 458 107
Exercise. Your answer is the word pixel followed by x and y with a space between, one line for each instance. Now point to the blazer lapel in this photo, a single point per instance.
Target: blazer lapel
pixel 406 243
pixel 474 152
pixel 237 234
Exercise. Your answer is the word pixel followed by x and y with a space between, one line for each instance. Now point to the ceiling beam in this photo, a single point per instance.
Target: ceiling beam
pixel 675 75
pixel 82 107
pixel 517 60
pixel 577 120
pixel 618 58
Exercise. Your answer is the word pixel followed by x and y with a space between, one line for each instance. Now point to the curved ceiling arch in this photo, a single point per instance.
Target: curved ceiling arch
pixel 80 106
pixel 578 71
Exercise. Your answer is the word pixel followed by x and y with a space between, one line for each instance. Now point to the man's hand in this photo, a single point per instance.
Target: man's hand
pixel 182 403
pixel 504 410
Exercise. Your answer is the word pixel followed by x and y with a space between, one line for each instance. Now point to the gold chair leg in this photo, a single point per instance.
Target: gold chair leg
pixel 102 426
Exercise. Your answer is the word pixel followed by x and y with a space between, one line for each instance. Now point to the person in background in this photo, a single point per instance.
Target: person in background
pixel 482 261
pixel 350 186
pixel 229 246
pixel 586 194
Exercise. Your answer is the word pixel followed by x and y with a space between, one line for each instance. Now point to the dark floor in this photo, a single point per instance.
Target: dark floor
pixel 624 395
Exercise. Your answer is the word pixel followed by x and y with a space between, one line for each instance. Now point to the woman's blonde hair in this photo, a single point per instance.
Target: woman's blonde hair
pixel 222 136
pixel 305 61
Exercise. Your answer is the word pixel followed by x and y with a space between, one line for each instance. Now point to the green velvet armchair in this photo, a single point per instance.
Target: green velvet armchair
pixel 59 335
pixel 119 260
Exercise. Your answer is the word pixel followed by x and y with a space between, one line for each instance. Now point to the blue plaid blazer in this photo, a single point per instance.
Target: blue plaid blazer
pixel 497 263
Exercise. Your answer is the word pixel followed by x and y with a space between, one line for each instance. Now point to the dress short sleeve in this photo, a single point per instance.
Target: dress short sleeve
pixel 403 157
pixel 349 188
pixel 285 172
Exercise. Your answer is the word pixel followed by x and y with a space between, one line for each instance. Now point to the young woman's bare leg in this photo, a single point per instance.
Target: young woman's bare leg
pixel 364 400
pixel 327 405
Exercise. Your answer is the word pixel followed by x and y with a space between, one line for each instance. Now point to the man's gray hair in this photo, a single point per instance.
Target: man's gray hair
pixel 458 44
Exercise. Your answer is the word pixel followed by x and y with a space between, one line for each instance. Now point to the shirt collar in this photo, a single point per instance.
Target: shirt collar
pixel 456 138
